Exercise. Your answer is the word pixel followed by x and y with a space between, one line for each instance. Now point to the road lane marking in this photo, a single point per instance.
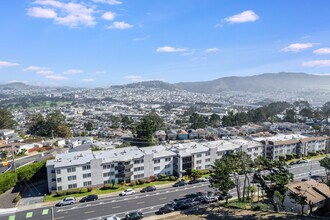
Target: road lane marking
pixel 89 212
pixel 140 203
pixel 45 212
pixel 29 215
pixel 162 198
pixel 59 217
pixel 12 217
pixel 116 207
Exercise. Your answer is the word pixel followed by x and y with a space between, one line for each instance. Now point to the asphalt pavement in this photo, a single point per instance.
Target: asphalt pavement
pixel 147 203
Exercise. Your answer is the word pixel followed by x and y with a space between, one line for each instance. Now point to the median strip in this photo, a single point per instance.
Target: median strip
pixel 162 198
pixel 116 207
pixel 140 203
pixel 89 212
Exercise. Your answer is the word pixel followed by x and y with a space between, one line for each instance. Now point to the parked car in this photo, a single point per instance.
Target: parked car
pixel 89 198
pixel 293 163
pixel 66 201
pixel 127 192
pixel 148 189
pixel 180 183
pixel 165 209
pixel 208 199
pixel 112 218
pixel 205 179
pixel 194 181
pixel 184 204
pixel 134 216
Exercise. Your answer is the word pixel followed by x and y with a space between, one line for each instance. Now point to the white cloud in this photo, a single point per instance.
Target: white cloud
pixel 73 71
pixel 69 14
pixel 109 16
pixel 324 50
pixel 38 12
pixel 87 80
pixel 7 64
pixel 110 2
pixel 45 72
pixel 56 77
pixel 35 68
pixel 119 25
pixel 134 78
pixel 169 49
pixel 245 16
pixel 297 47
pixel 317 63
pixel 211 50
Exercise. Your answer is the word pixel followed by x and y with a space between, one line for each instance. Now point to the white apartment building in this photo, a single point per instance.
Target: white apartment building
pixel 281 145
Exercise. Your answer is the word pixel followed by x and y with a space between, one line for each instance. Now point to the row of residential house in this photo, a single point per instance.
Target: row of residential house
pixel 95 168
pixel 244 130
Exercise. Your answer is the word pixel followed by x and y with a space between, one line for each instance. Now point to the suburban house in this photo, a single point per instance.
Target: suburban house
pixel 172 135
pixel 182 135
pixel 160 135
pixel 317 196
pixel 193 134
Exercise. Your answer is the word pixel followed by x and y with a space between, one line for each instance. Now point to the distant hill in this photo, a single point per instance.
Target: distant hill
pixel 267 82
pixel 149 84
pixel 264 82
pixel 15 86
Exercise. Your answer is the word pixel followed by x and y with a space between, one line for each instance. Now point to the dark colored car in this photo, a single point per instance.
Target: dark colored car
pixel 293 163
pixel 208 199
pixel 89 198
pixel 148 189
pixel 165 209
pixel 180 183
pixel 134 216
pixel 182 205
pixel 194 181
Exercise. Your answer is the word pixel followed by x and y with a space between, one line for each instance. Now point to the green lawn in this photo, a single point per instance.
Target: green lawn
pixel 238 205
pixel 54 197
pixel 310 157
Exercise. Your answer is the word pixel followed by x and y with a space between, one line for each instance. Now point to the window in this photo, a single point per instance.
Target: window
pixel 88 183
pixel 167 166
pixel 108 166
pixel 59 188
pixel 198 168
pixel 199 155
pixel 167 159
pixel 198 161
pixel 107 182
pixel 87 175
pixel 59 180
pixel 138 168
pixel 106 174
pixel 138 176
pixel 207 166
pixel 72 169
pixel 156 168
pixel 207 160
pixel 138 161
pixel 70 178
pixel 71 186
pixel 58 171
pixel 87 167
pixel 207 154
pixel 157 161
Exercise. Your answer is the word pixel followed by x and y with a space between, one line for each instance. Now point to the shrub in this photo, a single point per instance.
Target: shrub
pixel 312 154
pixel 110 186
pixel 163 177
pixel 281 158
pixel 289 157
pixel 141 182
pixel 172 178
pixel 83 190
pixel 259 207
pixel 153 178
pixel 90 188
pixel 7 181
pixel 204 172
pixel 28 171
pixel 133 183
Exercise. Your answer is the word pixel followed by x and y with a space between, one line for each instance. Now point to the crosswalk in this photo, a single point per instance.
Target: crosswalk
pixel 30 215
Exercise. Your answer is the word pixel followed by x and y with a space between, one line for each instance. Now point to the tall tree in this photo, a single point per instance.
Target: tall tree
pixel 88 126
pixel 220 178
pixel 300 199
pixel 326 109
pixel 290 116
pixel 306 112
pixel 6 120
pixel 146 129
pixel 214 120
pixel 325 162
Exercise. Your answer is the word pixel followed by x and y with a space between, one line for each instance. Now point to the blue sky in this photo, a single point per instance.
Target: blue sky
pixel 92 43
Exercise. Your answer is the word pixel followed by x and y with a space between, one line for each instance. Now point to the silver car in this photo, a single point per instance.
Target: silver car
pixel 67 201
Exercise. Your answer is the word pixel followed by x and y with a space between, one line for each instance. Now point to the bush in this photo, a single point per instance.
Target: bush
pixel 141 182
pixel 28 171
pixel 289 157
pixel 153 178
pixel 7 181
pixel 90 188
pixel 281 158
pixel 204 172
pixel 259 207
pixel 83 190
pixel 133 183
pixel 163 177
pixel 312 154
pixel 172 178
pixel 109 186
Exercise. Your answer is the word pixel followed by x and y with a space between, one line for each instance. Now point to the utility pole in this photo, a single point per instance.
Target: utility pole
pixel 13 155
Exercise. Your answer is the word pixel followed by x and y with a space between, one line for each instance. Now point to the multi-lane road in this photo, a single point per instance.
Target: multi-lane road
pixel 147 203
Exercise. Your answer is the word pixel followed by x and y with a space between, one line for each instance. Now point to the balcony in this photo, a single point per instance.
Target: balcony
pixel 124 167
pixel 124 175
